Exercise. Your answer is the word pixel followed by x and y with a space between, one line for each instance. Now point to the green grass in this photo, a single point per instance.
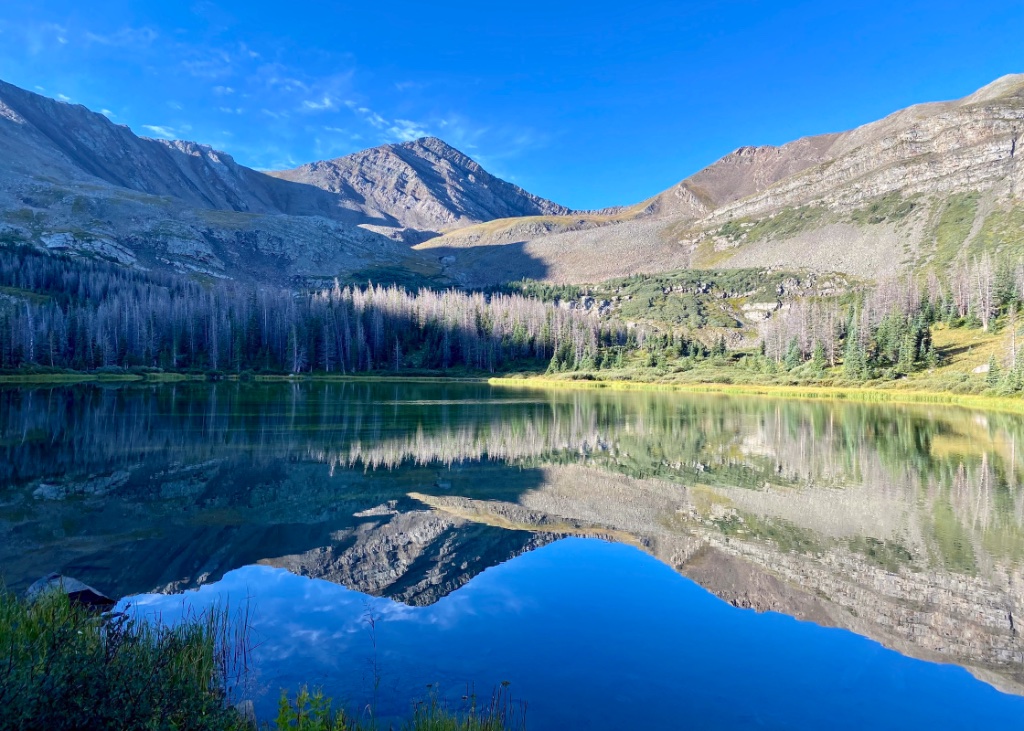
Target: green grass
pixel 953 227
pixel 867 393
pixel 782 225
pixel 691 298
pixel 63 667
pixel 23 216
pixel 1003 232
pixel 58 377
pixel 29 296
pixel 787 536
pixel 952 382
pixel 69 377
pixel 890 208
pixel 313 711
pixel 400 276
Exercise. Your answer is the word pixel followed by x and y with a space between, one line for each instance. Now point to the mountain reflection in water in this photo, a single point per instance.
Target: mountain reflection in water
pixel 902 524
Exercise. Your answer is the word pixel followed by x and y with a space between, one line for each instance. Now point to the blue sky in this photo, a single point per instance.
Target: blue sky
pixel 589 104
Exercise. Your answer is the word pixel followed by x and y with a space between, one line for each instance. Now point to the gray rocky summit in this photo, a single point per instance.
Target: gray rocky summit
pixel 425 184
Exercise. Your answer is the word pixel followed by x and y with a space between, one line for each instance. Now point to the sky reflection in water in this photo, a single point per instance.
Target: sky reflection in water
pixel 594 635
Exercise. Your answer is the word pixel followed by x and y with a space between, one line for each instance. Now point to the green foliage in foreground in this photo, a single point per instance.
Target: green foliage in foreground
pixel 63 667
pixel 312 711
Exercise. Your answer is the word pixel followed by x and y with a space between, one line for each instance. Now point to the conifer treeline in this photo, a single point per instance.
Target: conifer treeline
pixel 888 329
pixel 70 313
pixel 60 312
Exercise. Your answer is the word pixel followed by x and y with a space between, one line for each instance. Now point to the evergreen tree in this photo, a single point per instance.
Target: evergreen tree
pixel 818 361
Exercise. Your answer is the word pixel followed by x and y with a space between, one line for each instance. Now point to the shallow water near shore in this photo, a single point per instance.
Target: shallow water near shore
pixel 621 559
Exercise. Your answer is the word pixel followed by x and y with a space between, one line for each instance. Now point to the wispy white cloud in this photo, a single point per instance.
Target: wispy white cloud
pixel 406 130
pixel 107 113
pixel 64 97
pixel 324 103
pixel 274 76
pixel 368 114
pixel 303 112
pixel 127 37
pixel 42 37
pixel 160 131
pixel 215 67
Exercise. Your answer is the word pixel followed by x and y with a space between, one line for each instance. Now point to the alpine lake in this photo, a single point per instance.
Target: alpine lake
pixel 607 559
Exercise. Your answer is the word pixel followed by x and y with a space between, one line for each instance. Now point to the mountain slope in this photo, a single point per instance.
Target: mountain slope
pixel 425 184
pixel 73 181
pixel 73 144
pixel 916 189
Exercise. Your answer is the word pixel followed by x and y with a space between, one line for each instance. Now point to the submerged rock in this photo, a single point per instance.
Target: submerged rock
pixel 78 592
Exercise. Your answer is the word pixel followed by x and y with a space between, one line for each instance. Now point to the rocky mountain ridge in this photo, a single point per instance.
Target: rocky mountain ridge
pixel 862 202
pixel 72 180
pixel 425 184
pixel 916 189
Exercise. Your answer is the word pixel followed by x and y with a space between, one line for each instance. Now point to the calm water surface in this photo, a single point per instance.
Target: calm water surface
pixel 623 560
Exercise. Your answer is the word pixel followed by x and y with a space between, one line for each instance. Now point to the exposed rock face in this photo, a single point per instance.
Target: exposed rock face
pixel 929 148
pixel 806 194
pixel 739 174
pixel 74 145
pixel 72 180
pixel 425 184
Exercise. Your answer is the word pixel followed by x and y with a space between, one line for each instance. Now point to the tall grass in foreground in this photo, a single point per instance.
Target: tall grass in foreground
pixel 64 668
pixel 312 711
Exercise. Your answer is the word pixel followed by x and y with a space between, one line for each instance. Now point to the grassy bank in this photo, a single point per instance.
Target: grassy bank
pixel 62 667
pixel 865 394
pixel 954 381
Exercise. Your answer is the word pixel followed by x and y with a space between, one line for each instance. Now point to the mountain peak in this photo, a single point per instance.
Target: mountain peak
pixel 1010 85
pixel 423 183
pixel 429 141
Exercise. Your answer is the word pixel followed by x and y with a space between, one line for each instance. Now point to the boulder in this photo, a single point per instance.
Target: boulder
pixel 78 592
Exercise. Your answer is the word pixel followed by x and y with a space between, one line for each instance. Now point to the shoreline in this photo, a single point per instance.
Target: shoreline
pixel 795 393
pixel 543 382
pixel 71 379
